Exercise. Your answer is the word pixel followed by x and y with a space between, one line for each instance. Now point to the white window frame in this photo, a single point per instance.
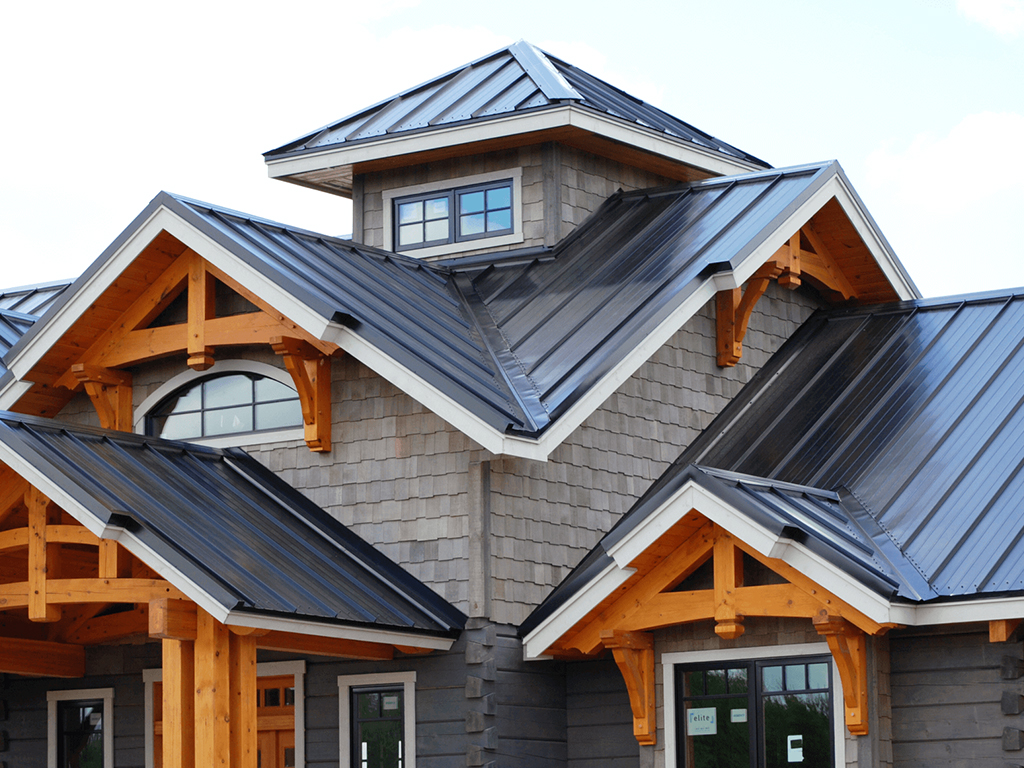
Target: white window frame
pixel 516 236
pixel 297 669
pixel 81 694
pixel 222 367
pixel 345 685
pixel 669 661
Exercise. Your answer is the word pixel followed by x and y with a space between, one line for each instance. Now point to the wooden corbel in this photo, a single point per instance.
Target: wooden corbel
pixel 110 391
pixel 634 654
pixel 728 578
pixel 849 649
pixel 1001 630
pixel 733 309
pixel 310 369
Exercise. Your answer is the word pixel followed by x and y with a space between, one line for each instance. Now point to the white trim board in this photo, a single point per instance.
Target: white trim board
pixel 81 694
pixel 263 669
pixel 626 132
pixel 345 685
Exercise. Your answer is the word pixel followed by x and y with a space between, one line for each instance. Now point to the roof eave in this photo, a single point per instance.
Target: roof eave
pixel 563 115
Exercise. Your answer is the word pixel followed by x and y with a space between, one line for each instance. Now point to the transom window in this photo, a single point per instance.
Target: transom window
pixel 224 405
pixel 454 215
pixel 771 713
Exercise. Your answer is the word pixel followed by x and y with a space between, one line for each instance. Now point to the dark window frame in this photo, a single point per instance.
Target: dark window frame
pixel 755 697
pixel 154 414
pixel 356 721
pixel 454 197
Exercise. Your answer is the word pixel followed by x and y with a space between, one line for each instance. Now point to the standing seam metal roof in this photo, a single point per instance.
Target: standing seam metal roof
pixel 250 541
pixel 916 410
pixel 515 79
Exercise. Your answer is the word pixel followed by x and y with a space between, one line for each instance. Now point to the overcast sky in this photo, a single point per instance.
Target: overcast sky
pixel 107 103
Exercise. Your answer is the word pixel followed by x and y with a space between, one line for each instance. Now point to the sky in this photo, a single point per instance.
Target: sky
pixel 107 103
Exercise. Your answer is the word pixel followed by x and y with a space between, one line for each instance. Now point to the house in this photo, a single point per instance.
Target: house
pixel 601 442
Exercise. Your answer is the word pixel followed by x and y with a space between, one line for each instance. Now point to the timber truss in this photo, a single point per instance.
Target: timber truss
pixel 657 596
pixel 803 257
pixel 137 336
pixel 63 589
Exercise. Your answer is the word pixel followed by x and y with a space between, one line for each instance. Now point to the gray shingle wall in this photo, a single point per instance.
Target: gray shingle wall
pixel 547 516
pixel 588 180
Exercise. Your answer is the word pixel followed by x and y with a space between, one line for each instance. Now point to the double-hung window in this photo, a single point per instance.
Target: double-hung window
pixel 453 216
pixel 80 728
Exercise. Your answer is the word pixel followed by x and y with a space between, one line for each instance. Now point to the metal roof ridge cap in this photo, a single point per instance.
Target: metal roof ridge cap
pixel 742 477
pixel 539 68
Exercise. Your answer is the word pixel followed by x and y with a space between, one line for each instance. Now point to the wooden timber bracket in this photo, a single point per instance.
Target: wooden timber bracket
pixel 110 391
pixel 848 645
pixel 634 654
pixel 789 266
pixel 310 369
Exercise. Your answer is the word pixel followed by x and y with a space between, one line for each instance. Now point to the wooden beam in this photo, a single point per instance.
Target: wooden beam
pixel 243 691
pixel 110 392
pixel 849 649
pixel 172 619
pixel 1000 630
pixel 72 591
pixel 324 646
pixel 634 655
pixel 311 372
pixel 41 658
pixel 213 686
pixel 201 296
pixel 13 488
pixel 728 578
pixel 113 627
pixel 788 258
pixel 179 694
pixel 622 613
pixel 822 266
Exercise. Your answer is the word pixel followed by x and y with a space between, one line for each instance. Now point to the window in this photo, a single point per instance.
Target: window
pixel 80 731
pixel 775 711
pixel 438 218
pixel 377 720
pixel 453 216
pixel 224 405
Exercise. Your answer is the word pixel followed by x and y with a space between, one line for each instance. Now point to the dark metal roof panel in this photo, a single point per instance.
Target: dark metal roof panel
pixel 13 325
pixel 569 319
pixel 513 79
pixel 916 409
pixel 249 540
pixel 32 299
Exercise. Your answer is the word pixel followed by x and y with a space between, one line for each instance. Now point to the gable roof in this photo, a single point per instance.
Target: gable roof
pixel 464 338
pixel 911 415
pixel 518 89
pixel 227 532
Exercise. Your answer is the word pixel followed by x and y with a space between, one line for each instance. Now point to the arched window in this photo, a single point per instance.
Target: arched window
pixel 225 404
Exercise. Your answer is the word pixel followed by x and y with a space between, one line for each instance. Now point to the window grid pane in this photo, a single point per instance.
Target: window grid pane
pixel 427 220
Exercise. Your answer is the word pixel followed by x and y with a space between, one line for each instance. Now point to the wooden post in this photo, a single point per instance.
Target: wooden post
pixel 179 704
pixel 728 578
pixel 200 309
pixel 38 565
pixel 244 735
pixel 213 700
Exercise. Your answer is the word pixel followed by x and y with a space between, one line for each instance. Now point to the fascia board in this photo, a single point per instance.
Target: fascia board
pixel 959 612
pixel 568 115
pixel 340 632
pixel 12 393
pixel 58 493
pixel 579 605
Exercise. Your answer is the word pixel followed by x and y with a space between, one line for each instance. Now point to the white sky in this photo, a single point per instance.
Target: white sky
pixel 107 103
